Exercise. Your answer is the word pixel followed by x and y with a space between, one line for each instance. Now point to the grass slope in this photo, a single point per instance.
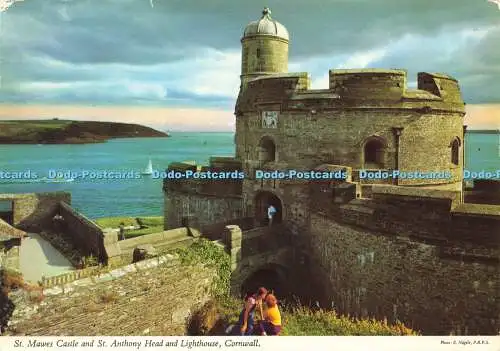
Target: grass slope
pixel 150 224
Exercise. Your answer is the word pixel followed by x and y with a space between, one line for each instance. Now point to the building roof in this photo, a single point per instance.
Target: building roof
pixel 7 237
pixel 266 26
pixel 8 232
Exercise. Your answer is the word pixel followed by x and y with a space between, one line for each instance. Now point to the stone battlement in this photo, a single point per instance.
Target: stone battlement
pixel 227 186
pixel 374 87
pixel 126 294
pixel 422 214
pixel 32 211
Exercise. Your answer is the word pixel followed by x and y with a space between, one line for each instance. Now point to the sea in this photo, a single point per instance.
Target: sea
pixel 142 195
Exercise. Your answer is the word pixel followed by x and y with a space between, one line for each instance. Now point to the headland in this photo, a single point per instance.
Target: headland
pixel 57 131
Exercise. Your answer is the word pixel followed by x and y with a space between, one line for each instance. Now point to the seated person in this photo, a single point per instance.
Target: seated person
pixel 260 298
pixel 271 325
pixel 246 321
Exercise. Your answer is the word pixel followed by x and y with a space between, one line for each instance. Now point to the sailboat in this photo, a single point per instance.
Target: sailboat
pixel 149 169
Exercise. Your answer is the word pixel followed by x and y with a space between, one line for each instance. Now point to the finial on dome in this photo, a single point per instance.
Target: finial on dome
pixel 266 12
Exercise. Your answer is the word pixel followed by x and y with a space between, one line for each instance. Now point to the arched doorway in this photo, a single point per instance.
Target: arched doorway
pixel 263 200
pixel 374 153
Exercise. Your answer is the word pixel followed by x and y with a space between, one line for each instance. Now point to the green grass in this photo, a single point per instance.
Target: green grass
pixel 302 321
pixel 153 224
pixel 139 232
pixel 224 309
pixel 114 222
pixel 152 221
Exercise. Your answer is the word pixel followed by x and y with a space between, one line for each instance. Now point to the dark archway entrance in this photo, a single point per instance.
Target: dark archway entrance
pixel 7 211
pixel 262 201
pixel 270 278
pixel 374 153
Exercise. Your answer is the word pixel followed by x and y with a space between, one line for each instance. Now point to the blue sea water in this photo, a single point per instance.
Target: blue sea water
pixel 482 152
pixel 98 198
pixel 144 196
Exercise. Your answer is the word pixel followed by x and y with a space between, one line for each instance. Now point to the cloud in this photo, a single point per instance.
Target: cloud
pixel 156 117
pixel 356 60
pixel 187 52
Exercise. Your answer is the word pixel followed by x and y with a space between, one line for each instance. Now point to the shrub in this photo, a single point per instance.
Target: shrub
pixel 11 280
pixel 301 321
pixel 206 252
pixel 205 320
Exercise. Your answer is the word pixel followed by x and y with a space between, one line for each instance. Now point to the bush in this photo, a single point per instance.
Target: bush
pixel 11 280
pixel 206 321
pixel 206 252
pixel 304 322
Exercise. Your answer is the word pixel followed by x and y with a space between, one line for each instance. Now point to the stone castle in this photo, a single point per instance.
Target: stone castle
pixel 403 249
pixel 366 119
pixel 407 249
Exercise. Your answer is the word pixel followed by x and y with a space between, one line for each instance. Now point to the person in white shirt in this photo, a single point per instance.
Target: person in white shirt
pixel 271 211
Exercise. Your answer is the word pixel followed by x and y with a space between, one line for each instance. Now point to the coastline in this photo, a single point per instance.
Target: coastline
pixel 56 131
pixel 78 141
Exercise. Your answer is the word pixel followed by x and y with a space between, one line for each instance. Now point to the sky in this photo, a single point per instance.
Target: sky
pixel 175 64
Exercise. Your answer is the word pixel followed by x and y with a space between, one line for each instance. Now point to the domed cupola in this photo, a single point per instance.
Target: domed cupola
pixel 266 26
pixel 264 48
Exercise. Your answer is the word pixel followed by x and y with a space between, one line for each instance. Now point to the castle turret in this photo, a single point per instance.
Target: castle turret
pixel 264 48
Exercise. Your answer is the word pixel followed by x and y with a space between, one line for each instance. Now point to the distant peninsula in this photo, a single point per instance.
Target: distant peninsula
pixel 483 131
pixel 59 131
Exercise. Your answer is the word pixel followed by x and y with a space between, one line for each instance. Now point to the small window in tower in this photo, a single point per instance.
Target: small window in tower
pixel 258 52
pixel 455 151
pixel 267 150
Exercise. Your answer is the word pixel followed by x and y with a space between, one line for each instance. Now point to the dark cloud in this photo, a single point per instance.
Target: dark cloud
pixel 107 40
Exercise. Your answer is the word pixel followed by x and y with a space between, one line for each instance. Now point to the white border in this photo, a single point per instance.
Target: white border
pixel 290 343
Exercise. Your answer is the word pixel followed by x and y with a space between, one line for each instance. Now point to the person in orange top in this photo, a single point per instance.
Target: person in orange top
pixel 271 325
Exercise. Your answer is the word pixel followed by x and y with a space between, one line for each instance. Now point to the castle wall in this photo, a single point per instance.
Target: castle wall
pixel 294 199
pixel 272 57
pixel 378 84
pixel 7 230
pixel 204 201
pixel 153 297
pixel 205 210
pixel 84 233
pixel 410 254
pixel 33 211
pixel 9 258
pixel 305 141
pixel 421 139
pixel 170 239
pixel 393 277
pixel 332 126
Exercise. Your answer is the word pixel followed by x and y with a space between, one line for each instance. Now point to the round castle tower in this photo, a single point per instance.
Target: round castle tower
pixel 368 119
pixel 264 48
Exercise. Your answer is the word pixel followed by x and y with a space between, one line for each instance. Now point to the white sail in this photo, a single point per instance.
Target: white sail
pixel 149 168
